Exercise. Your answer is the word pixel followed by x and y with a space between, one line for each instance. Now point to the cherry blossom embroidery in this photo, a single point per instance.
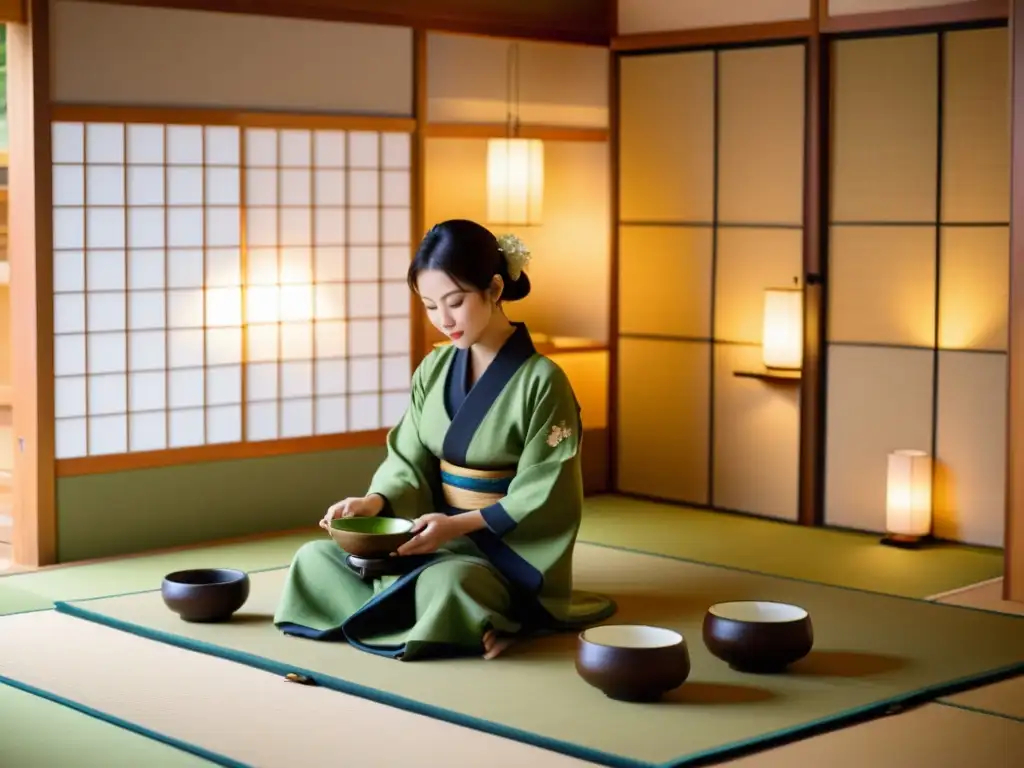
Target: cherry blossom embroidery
pixel 559 432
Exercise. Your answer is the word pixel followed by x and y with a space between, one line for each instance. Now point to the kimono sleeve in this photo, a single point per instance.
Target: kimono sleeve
pixel 548 471
pixel 403 478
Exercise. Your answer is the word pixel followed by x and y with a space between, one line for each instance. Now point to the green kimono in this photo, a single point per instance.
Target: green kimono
pixel 512 440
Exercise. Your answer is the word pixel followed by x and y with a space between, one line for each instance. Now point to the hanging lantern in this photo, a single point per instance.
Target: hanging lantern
pixel 515 181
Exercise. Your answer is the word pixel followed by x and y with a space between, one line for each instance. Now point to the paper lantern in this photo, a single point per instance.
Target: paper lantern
pixel 908 498
pixel 515 181
pixel 783 333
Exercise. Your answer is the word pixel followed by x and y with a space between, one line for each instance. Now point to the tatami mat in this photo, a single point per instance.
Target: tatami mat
pixel 926 649
pixel 258 719
pixel 38 733
pixel 1005 698
pixel 251 716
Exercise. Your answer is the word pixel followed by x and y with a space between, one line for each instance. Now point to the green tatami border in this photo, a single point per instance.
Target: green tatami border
pixel 139 730
pixel 871 711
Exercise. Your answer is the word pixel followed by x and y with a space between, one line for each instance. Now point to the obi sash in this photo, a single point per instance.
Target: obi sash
pixel 469 489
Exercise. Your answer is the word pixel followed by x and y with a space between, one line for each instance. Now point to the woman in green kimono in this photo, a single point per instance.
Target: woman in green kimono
pixel 486 460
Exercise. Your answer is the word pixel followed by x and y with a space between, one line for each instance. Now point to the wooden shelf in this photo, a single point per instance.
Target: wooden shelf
pixel 774 377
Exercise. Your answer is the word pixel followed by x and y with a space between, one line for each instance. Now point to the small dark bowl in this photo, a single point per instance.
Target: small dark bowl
pixel 758 636
pixel 632 662
pixel 205 594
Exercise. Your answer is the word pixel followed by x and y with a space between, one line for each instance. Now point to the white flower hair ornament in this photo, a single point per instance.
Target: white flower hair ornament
pixel 517 255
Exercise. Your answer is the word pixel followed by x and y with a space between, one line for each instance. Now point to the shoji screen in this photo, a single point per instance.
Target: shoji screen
pixel 919 275
pixel 219 284
pixel 711 180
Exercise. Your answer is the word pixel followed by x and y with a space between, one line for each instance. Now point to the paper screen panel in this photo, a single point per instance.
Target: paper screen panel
pixel 971 448
pixel 761 135
pixel 757 438
pixel 327 311
pixel 750 260
pixel 976 127
pixel 974 293
pixel 885 129
pixel 147 327
pixel 879 400
pixel 158 307
pixel 667 154
pixel 637 16
pixel 664 410
pixel 665 280
pixel 882 285
pixel 468 78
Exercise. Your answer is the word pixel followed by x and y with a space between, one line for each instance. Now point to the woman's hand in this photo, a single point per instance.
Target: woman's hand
pixel 365 506
pixel 431 533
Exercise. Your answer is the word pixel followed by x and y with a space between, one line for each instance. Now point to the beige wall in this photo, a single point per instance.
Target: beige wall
pixel 468 82
pixel 636 16
pixel 118 54
pixel 919 276
pixel 570 249
pixel 701 236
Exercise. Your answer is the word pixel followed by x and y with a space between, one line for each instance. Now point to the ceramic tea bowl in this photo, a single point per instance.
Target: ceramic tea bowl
pixel 370 537
pixel 632 662
pixel 205 594
pixel 758 636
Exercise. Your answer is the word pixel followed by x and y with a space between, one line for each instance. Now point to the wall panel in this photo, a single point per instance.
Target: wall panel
pixel 665 281
pixel 119 54
pixel 761 135
pixel 468 82
pixel 884 129
pixel 976 127
pixel 879 400
pixel 930 298
pixel 748 261
pixel 667 138
pixel 974 295
pixel 637 16
pixel 883 285
pixel 971 472
pixel 664 419
pixel 711 215
pixel 757 438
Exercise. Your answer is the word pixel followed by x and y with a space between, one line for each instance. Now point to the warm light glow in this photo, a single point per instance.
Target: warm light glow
pixel 783 334
pixel 515 181
pixel 908 498
pixel 223 307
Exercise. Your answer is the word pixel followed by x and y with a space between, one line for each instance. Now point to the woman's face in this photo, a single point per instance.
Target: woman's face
pixel 459 313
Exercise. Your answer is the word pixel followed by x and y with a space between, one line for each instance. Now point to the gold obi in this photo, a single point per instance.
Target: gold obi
pixel 470 489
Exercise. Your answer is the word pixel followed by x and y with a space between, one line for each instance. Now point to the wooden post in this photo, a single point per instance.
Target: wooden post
pixel 1013 581
pixel 30 255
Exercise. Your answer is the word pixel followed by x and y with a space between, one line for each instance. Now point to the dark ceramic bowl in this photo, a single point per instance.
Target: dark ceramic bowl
pixel 758 636
pixel 205 594
pixel 370 537
pixel 632 662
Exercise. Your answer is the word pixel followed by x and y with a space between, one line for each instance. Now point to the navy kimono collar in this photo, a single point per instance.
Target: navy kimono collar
pixel 467 406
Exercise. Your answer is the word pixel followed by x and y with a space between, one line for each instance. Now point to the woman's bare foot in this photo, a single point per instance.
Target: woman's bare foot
pixel 495 643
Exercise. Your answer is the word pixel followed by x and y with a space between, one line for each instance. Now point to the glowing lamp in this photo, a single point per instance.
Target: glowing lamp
pixel 908 498
pixel 783 333
pixel 515 181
